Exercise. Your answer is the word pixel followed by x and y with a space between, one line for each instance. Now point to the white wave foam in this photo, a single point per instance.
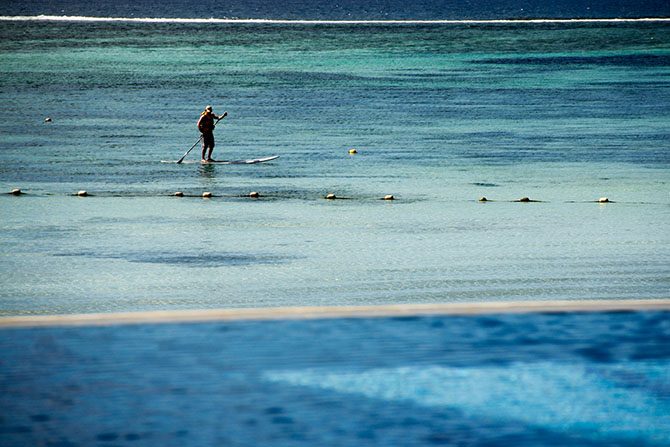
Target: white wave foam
pixel 320 22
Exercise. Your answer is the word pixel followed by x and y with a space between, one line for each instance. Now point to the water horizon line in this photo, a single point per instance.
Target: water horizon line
pixel 213 20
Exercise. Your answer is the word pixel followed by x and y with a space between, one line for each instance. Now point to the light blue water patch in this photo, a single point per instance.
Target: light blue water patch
pixel 599 401
pixel 64 254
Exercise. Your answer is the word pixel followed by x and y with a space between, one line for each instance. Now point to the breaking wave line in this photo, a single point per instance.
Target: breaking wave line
pixel 53 18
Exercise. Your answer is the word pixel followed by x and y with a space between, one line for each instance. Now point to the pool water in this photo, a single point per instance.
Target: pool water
pixel 593 379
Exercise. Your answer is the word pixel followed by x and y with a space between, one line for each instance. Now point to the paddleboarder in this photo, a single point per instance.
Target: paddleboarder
pixel 206 125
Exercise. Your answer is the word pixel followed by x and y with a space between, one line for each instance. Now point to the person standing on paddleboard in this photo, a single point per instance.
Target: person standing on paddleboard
pixel 206 125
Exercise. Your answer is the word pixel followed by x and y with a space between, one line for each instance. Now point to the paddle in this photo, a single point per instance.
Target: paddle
pixel 200 139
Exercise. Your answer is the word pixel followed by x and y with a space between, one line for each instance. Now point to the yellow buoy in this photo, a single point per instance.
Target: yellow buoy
pixel 483 199
pixel 353 151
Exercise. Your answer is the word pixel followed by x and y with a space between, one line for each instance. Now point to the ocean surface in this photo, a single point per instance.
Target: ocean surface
pixel 440 113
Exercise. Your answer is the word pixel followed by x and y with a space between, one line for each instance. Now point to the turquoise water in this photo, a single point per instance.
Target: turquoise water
pixel 440 114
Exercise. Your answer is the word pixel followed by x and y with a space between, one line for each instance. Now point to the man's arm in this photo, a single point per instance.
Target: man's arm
pixel 220 117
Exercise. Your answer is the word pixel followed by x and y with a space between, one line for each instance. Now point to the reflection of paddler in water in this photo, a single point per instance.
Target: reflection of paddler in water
pixel 206 125
pixel 207 170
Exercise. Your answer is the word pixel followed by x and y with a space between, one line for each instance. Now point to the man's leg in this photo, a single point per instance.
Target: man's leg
pixel 211 149
pixel 204 148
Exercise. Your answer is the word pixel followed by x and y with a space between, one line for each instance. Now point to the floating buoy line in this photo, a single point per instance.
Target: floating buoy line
pixel 257 195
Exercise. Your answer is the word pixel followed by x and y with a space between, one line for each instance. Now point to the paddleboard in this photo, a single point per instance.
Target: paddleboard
pixel 227 162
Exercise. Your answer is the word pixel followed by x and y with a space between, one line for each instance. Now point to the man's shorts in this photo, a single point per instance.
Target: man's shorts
pixel 208 139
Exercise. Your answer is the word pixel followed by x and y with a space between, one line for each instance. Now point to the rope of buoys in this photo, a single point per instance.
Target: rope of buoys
pixel 329 196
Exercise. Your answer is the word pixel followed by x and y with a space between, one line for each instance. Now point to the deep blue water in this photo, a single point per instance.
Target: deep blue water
pixel 345 9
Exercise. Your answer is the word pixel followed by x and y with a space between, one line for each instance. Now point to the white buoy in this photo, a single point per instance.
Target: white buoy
pixel 179 194
pixel 16 192
pixel 603 200
pixel 331 196
pixel 483 199
pixel 524 199
pixel 254 195
pixel 206 195
pixel 82 193
pixel 389 197
pixel 47 119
